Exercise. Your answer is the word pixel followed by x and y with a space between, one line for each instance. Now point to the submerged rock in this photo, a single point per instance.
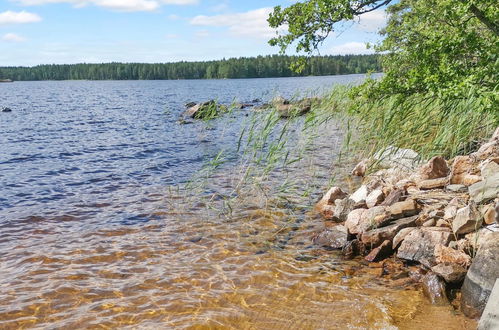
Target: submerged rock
pixel 481 277
pixel 334 238
pixel 434 289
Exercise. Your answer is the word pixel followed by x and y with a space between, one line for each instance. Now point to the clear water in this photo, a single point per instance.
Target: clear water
pixel 92 234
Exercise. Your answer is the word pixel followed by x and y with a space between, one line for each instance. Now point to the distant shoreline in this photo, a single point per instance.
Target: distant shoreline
pixel 275 66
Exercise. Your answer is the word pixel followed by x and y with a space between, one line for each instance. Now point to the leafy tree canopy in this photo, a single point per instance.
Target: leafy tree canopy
pixel 440 48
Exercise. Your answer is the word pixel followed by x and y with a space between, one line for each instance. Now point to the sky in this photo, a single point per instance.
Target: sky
pixel 36 32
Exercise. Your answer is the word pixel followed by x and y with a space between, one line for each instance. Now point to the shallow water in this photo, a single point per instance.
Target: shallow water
pixel 99 230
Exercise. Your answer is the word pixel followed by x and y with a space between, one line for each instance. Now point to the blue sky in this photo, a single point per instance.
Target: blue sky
pixel 74 31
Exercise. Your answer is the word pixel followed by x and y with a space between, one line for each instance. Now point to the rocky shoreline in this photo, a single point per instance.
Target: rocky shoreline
pixel 440 218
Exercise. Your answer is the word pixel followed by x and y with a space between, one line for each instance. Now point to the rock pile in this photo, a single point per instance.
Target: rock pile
pixel 442 215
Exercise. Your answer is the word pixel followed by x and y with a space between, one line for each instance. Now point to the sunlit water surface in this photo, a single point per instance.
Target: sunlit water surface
pixel 100 227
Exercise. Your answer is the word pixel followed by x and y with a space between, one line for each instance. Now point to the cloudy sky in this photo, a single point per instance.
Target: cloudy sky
pixel 74 31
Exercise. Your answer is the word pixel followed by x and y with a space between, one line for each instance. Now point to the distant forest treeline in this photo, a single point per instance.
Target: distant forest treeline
pixel 252 67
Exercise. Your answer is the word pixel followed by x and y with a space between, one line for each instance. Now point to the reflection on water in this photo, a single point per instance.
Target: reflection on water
pixel 145 255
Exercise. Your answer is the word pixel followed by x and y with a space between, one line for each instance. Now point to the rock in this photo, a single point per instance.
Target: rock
pixel 443 223
pixel 333 194
pixel 434 289
pixel 406 208
pixel 467 220
pixel 360 169
pixel 205 110
pixel 277 100
pixel 462 166
pixel 353 248
pixel 432 184
pixel 342 208
pixel 401 235
pixel 375 198
pixel 354 220
pixel 360 195
pixel 381 252
pixel 434 169
pixel 485 190
pixel 429 223
pixel 470 179
pixel 393 157
pixel 457 188
pixel 5 109
pixel 488 168
pixel 374 217
pixel 480 237
pixel 451 273
pixel 334 238
pixel 326 206
pixel 490 213
pixel 190 104
pixel 444 255
pixel 490 316
pixel 419 244
pixel 481 277
pixel 393 197
pixel 375 237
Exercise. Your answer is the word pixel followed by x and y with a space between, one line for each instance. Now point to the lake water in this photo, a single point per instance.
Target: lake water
pixel 104 222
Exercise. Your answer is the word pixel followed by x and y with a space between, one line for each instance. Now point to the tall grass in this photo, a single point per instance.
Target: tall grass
pixel 429 125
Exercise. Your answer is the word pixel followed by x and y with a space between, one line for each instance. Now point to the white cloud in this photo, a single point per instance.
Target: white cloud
pixel 11 17
pixel 118 5
pixel 248 24
pixel 12 37
pixel 128 5
pixel 350 48
pixel 372 21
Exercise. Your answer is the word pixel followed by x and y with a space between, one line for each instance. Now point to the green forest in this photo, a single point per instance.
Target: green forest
pixel 245 67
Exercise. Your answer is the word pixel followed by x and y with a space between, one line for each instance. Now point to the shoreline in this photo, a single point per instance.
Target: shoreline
pixel 440 217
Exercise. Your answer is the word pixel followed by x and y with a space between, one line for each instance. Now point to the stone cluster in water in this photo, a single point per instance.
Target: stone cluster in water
pixel 441 215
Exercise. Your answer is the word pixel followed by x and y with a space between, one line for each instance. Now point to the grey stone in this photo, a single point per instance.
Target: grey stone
pixel 419 244
pixel 485 190
pixel 467 220
pixel 490 316
pixel 334 238
pixel 481 277
pixel 457 188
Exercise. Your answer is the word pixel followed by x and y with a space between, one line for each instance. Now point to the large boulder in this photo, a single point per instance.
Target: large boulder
pixel 481 277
